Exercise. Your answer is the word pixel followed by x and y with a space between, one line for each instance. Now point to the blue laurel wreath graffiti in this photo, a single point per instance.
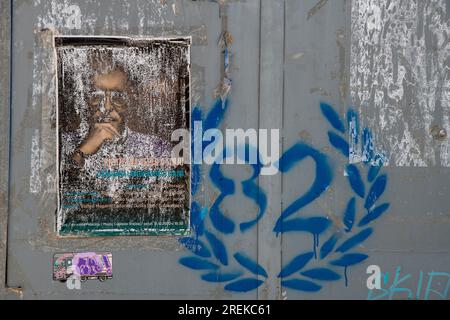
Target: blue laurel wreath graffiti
pixel 354 229
pixel 211 255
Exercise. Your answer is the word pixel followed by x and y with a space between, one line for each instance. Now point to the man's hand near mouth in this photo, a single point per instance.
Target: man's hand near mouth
pixel 100 133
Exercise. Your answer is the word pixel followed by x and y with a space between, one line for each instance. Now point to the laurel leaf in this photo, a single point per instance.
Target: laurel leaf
pixel 197 221
pixel 332 117
pixel 218 248
pixel 244 285
pixel 198 264
pixel 220 277
pixel 215 114
pixel 323 274
pixel 296 264
pixel 314 225
pixel 301 285
pixel 374 214
pixel 349 215
pixel 355 240
pixel 328 246
pixel 250 265
pixel 376 191
pixel 354 178
pixel 373 173
pixel 339 143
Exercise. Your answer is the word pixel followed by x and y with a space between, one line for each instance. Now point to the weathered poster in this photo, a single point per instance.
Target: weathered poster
pixel 119 100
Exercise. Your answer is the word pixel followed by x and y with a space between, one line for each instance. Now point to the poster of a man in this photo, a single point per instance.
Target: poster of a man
pixel 119 99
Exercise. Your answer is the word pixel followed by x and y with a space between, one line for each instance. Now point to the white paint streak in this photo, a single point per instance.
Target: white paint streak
pixel 59 14
pixel 111 18
pixel 35 179
pixel 400 72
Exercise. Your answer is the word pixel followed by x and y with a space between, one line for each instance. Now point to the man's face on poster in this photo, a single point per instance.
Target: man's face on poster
pixel 108 99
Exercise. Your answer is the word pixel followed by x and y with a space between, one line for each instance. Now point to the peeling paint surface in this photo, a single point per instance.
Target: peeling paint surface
pixel 35 180
pixel 68 15
pixel 400 77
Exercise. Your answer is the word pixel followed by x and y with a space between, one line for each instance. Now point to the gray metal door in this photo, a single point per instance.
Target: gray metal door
pixel 359 92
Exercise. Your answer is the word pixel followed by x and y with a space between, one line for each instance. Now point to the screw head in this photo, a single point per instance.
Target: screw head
pixel 438 133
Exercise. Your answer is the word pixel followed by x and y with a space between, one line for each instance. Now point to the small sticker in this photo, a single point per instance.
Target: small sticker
pixel 83 266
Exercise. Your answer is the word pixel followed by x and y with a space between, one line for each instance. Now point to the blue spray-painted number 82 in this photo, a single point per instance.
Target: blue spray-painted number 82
pixel 307 271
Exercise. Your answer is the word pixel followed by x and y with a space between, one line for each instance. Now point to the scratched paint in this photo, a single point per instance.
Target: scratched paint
pixel 400 77
pixel 66 15
pixel 35 180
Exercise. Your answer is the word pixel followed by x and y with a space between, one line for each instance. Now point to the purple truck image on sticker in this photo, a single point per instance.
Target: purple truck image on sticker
pixel 85 265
